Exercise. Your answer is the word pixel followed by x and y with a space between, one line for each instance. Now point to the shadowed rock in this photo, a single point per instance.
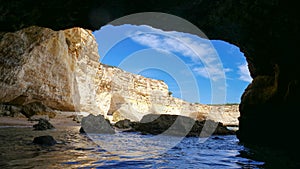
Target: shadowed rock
pixel 10 110
pixel 37 108
pixel 123 124
pixel 96 124
pixel 44 140
pixel 43 125
pixel 175 125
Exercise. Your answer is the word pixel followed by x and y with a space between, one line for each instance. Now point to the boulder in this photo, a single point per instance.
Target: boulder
pixel 10 110
pixel 96 125
pixel 123 124
pixel 177 125
pixel 44 140
pixel 164 124
pixel 43 125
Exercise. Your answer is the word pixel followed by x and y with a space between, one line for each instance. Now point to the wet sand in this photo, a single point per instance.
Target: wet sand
pixel 18 151
pixel 60 121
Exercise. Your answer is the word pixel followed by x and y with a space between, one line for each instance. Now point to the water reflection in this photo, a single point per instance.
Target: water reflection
pixel 121 150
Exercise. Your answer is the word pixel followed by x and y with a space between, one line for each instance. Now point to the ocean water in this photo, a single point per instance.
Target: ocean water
pixel 147 151
pixel 121 150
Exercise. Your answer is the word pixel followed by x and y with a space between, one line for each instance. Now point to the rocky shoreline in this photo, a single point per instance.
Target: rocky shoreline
pixel 174 125
pixel 154 124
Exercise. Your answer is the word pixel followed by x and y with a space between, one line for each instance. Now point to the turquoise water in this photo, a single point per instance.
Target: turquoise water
pixel 121 150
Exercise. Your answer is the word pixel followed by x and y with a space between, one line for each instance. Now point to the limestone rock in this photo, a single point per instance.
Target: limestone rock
pixel 96 125
pixel 45 70
pixel 35 108
pixel 39 64
pixel 133 96
pixel 43 124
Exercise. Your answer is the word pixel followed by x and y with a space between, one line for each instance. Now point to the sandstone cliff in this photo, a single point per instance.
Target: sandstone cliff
pixel 61 70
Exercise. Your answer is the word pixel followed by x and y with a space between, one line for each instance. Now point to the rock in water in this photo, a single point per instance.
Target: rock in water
pixel 178 126
pixel 96 124
pixel 43 125
pixel 123 124
pixel 44 140
pixel 164 124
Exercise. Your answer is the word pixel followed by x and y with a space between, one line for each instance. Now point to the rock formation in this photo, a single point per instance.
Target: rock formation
pixel 133 96
pixel 96 125
pixel 54 68
pixel 174 125
pixel 43 124
pixel 61 70
pixel 44 140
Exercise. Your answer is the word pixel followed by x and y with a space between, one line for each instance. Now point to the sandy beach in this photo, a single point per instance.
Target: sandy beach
pixel 61 120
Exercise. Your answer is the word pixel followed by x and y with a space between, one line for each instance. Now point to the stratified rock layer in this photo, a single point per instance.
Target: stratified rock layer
pixel 43 68
pixel 55 68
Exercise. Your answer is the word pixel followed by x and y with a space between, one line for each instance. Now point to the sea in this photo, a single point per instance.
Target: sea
pixel 121 150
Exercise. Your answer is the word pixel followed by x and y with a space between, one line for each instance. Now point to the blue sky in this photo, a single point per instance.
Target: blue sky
pixel 195 69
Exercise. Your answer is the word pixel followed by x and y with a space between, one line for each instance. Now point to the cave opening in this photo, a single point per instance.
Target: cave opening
pixel 267 31
pixel 181 60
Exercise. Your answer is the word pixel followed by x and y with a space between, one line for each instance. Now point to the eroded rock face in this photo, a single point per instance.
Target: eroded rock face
pixel 42 68
pixel 35 65
pixel 55 68
pixel 132 96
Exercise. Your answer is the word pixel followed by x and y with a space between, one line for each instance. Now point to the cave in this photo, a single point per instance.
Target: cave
pixel 266 31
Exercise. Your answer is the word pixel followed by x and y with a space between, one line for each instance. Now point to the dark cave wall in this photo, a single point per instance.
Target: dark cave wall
pixel 267 31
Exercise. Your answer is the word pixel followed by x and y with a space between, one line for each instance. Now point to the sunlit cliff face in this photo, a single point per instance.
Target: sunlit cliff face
pixel 62 71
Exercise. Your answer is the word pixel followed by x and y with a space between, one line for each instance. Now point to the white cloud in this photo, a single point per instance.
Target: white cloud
pixel 201 71
pixel 164 43
pixel 211 72
pixel 244 73
pixel 188 45
pixel 198 50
